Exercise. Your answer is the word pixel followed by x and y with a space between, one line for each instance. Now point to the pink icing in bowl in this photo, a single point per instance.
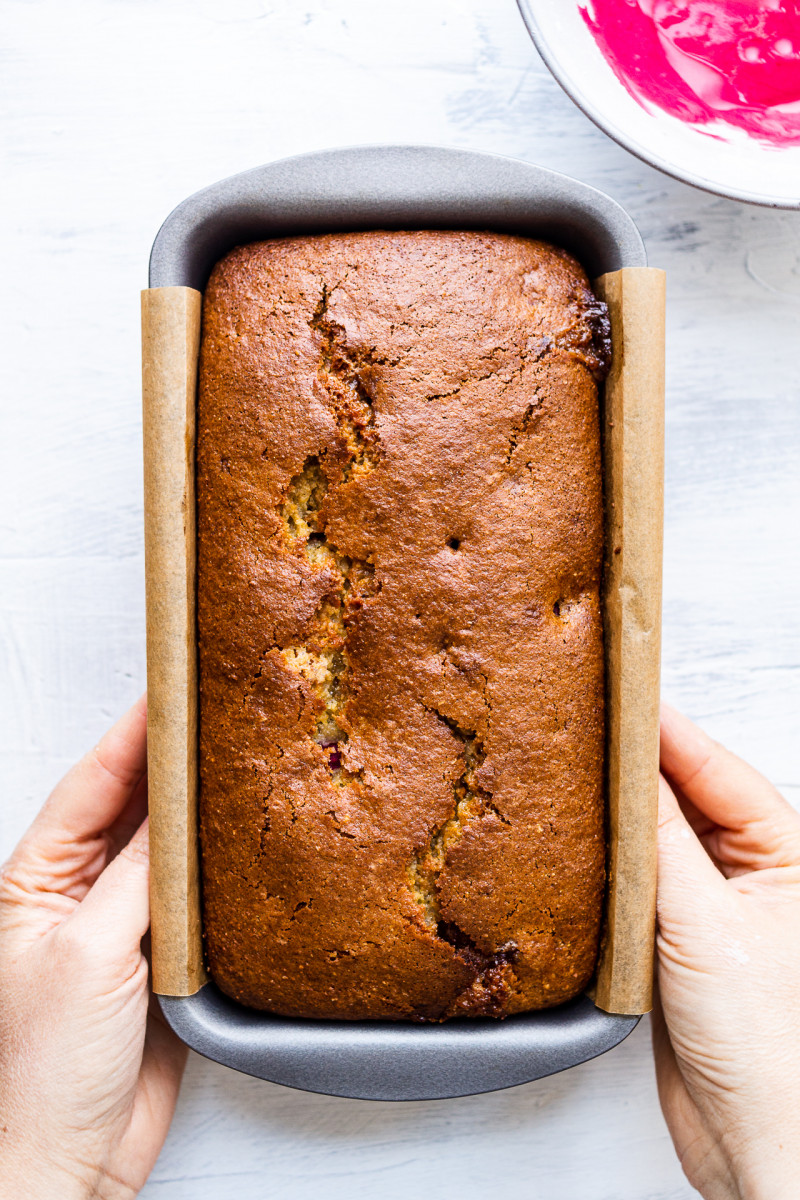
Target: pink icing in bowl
pixel 703 61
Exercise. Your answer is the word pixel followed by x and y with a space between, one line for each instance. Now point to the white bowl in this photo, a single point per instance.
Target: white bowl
pixel 729 162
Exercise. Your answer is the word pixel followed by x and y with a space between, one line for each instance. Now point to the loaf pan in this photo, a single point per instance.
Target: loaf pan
pixel 389 187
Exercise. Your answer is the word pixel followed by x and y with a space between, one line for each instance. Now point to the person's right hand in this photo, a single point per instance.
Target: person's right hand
pixel 726 1033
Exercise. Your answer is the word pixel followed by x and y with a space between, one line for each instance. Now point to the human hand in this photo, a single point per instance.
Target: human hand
pixel 88 1080
pixel 726 1033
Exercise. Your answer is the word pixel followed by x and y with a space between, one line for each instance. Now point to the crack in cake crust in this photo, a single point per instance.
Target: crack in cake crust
pixel 322 661
pixel 342 373
pixel 471 802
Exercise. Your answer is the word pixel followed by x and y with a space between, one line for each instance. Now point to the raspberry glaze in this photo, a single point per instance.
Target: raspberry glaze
pixel 731 61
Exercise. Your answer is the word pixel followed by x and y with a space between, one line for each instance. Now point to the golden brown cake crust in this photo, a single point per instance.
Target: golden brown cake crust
pixel 401 660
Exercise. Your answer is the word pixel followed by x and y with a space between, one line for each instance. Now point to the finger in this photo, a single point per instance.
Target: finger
pixel 758 828
pixel 93 794
pixel 129 820
pixel 116 911
pixel 687 877
pixel 699 822
pixel 701 825
pixel 731 851
pixel 67 839
pixel 42 872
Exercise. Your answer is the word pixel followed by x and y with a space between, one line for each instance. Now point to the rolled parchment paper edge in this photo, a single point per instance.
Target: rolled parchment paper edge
pixel 633 474
pixel 170 346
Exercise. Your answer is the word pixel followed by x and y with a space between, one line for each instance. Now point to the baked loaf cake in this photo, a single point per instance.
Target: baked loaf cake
pixel 401 658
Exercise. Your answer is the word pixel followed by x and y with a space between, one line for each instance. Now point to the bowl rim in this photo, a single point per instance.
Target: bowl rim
pixel 632 145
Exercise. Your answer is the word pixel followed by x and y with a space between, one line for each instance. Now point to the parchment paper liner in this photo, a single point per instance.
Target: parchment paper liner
pixel 170 345
pixel 633 447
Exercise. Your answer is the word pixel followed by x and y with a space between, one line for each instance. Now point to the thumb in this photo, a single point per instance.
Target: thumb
pixel 688 881
pixel 116 911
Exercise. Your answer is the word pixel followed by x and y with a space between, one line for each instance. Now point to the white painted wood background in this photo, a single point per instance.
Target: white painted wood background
pixel 113 111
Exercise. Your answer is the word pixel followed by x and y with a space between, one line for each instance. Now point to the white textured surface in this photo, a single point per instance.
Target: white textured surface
pixel 114 110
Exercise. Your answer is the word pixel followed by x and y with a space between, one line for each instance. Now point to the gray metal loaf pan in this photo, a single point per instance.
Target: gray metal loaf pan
pixel 389 187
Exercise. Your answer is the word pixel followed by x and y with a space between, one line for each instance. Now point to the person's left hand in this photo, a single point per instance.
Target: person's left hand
pixel 89 1076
